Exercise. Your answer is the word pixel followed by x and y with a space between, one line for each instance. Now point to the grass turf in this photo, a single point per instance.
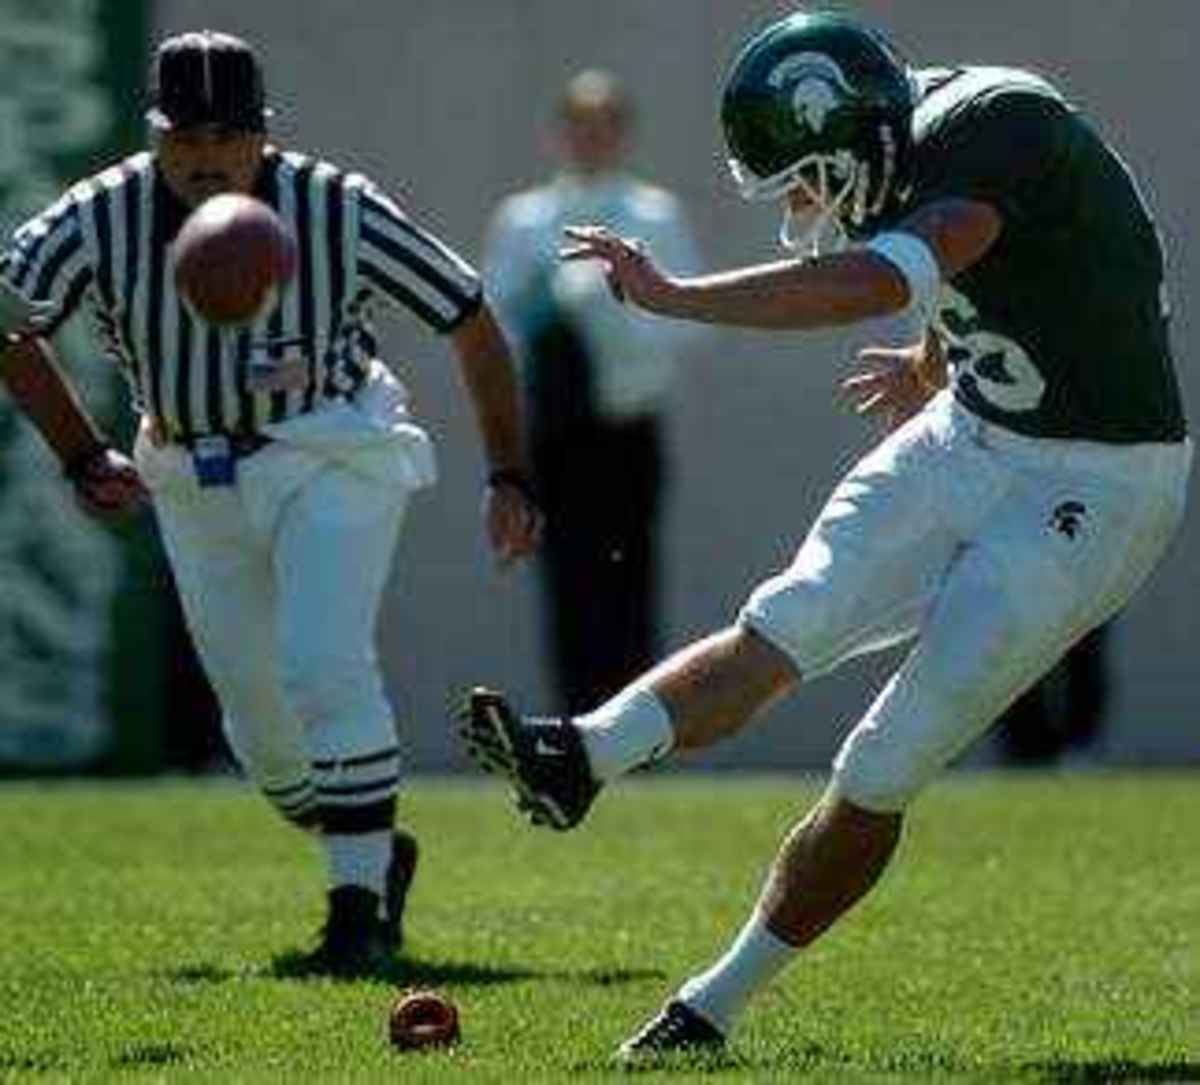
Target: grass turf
pixel 1034 927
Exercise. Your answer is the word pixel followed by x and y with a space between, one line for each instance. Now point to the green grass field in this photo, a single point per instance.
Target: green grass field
pixel 1033 928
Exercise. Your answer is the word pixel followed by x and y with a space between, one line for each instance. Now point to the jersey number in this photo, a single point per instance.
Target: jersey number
pixel 997 367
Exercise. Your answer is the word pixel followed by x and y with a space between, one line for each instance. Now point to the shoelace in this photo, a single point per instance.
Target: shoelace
pixel 670 1026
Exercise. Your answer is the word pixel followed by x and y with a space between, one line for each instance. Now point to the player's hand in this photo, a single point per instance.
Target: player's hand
pixel 107 485
pixel 887 385
pixel 512 520
pixel 632 275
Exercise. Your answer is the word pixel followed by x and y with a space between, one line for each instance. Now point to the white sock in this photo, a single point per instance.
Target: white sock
pixel 754 959
pixel 359 859
pixel 629 730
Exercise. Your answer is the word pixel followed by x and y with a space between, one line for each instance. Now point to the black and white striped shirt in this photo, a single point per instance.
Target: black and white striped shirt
pixel 104 246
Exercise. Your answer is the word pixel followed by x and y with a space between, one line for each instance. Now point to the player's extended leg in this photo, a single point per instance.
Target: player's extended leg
pixel 694 698
pixel 859 580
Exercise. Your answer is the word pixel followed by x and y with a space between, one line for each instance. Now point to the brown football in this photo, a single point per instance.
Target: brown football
pixel 422 1019
pixel 232 257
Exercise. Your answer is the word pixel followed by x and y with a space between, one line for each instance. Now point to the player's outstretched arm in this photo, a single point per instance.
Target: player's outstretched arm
pixel 106 482
pixel 878 280
pixel 838 289
pixel 512 519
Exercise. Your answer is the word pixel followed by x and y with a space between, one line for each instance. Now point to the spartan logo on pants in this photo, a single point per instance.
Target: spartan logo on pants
pixel 1067 518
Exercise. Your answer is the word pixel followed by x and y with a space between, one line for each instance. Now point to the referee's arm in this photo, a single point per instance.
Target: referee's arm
pixel 512 518
pixel 488 374
pixel 418 271
pixel 44 394
pixel 35 381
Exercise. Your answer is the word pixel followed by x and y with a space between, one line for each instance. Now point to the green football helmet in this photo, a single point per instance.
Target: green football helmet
pixel 818 102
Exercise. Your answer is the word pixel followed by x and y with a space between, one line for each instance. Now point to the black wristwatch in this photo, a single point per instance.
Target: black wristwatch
pixel 517 479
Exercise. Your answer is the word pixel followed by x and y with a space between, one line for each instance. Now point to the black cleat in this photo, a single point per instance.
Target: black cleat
pixel 354 940
pixel 400 873
pixel 676 1027
pixel 544 759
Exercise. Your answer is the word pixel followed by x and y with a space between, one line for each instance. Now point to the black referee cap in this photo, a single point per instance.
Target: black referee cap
pixel 206 77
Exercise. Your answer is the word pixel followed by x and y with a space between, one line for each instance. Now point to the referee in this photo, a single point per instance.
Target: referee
pixel 280 498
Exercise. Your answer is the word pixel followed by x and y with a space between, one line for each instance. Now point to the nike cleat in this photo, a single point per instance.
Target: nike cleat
pixel 676 1028
pixel 544 759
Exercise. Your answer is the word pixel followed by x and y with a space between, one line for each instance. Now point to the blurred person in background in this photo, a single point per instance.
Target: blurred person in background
pixel 597 378
pixel 1060 720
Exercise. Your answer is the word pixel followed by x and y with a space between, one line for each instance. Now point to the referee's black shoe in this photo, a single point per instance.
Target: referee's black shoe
pixel 675 1028
pixel 354 940
pixel 544 759
pixel 400 873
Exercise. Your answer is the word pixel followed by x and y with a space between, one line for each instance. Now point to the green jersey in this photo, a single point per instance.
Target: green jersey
pixel 1061 329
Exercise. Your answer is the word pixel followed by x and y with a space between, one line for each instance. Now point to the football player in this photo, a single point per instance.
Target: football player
pixel 1032 473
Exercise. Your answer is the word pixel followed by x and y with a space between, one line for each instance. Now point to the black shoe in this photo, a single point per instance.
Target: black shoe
pixel 677 1027
pixel 354 940
pixel 400 873
pixel 544 759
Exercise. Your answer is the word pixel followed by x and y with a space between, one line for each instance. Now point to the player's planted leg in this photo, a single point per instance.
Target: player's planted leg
pixel 828 862
pixel 676 1027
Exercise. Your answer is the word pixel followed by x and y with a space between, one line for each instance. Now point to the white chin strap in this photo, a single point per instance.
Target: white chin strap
pixel 820 230
pixel 811 234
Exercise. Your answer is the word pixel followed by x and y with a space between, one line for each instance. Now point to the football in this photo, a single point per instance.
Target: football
pixel 232 257
pixel 422 1019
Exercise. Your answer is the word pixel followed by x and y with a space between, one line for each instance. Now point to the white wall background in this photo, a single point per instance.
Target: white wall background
pixel 444 103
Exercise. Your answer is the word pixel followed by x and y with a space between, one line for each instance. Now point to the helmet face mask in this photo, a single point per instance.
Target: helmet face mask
pixel 819 103
pixel 829 184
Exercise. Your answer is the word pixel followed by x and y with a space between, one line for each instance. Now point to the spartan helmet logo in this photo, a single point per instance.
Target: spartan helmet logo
pixel 818 87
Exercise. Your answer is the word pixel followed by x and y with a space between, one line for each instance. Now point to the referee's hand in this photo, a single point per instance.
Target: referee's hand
pixel 107 485
pixel 512 520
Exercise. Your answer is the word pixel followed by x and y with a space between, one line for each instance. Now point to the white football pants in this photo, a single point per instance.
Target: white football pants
pixel 281 577
pixel 996 551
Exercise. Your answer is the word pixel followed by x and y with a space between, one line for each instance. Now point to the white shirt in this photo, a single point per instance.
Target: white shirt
pixel 633 353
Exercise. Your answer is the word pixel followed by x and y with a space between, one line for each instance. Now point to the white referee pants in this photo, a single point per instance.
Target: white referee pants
pixel 996 551
pixel 280 577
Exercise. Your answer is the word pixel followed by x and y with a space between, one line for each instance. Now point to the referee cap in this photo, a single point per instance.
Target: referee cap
pixel 207 77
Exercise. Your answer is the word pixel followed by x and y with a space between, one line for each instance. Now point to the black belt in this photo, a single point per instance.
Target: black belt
pixel 240 444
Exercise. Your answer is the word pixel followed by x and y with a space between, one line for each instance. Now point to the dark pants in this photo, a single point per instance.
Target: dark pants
pixel 1064 711
pixel 600 485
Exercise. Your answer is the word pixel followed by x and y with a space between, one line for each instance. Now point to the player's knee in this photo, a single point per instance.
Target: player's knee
pixel 877 778
pixel 797 616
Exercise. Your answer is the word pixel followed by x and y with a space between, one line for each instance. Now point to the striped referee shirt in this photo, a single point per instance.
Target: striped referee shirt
pixel 105 247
